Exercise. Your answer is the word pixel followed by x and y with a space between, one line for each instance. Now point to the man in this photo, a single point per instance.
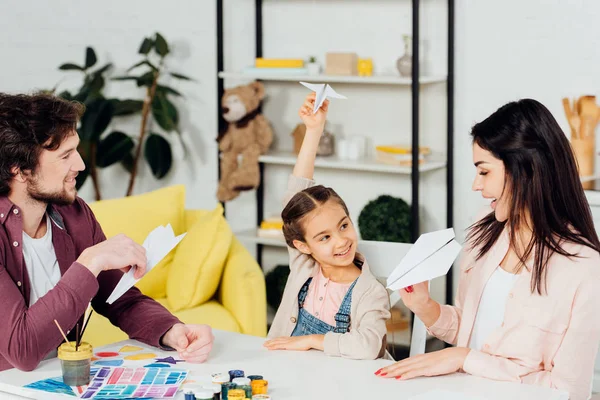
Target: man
pixel 54 257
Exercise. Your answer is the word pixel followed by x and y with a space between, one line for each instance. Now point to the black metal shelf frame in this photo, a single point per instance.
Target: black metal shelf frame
pixel 415 96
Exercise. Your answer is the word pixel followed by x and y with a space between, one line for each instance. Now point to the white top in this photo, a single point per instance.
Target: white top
pixel 319 376
pixel 490 313
pixel 41 263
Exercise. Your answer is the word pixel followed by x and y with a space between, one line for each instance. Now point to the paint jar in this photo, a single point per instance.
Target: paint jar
pixel 204 394
pixel 260 386
pixel 241 381
pixel 255 377
pixel 188 394
pixel 236 394
pixel 216 389
pixel 235 373
pixel 247 389
pixel 75 364
pixel 225 388
pixel 221 378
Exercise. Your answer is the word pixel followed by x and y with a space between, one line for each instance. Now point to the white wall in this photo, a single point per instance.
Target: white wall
pixel 37 38
pixel 504 51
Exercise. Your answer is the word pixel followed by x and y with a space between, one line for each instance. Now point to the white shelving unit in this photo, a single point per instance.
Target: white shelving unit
pixel 366 164
pixel 372 80
pixel 402 85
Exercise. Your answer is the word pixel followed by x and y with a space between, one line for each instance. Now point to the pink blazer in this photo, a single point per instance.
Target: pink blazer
pixel 549 340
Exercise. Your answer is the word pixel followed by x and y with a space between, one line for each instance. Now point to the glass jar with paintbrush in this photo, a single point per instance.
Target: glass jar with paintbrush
pixel 75 358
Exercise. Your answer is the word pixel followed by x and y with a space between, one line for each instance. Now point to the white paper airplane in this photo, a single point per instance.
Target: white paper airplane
pixel 323 91
pixel 158 244
pixel 431 256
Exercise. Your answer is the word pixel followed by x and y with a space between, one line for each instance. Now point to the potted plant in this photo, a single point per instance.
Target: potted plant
pixel 313 66
pixel 100 149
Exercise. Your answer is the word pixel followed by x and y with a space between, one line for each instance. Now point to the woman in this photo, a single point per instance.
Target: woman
pixel 528 302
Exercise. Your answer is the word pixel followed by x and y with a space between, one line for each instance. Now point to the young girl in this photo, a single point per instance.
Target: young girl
pixel 331 301
pixel 528 296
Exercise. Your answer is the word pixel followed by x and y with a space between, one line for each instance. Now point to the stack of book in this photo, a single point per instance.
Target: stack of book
pixel 284 66
pixel 271 228
pixel 400 155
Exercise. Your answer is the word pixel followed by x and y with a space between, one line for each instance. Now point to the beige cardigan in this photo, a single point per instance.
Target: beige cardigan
pixel 369 310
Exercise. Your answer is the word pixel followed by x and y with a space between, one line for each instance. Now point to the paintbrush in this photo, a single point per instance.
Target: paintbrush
pixel 85 324
pixel 77 336
pixel 62 333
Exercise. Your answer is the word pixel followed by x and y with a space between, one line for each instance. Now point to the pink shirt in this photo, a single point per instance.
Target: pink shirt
pixel 324 297
pixel 549 340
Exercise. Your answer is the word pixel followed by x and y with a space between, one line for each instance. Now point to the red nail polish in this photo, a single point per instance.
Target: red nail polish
pixel 383 374
pixel 398 377
pixel 378 371
pixel 409 289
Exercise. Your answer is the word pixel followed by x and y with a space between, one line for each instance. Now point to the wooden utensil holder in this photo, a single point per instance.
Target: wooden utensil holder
pixel 584 154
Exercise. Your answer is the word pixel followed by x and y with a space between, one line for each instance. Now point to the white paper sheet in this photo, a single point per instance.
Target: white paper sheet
pixel 323 91
pixel 431 256
pixel 158 244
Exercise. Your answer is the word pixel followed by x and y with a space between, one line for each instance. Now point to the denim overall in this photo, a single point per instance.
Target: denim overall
pixel 310 325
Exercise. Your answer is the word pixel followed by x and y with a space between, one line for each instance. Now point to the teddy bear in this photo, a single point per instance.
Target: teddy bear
pixel 248 134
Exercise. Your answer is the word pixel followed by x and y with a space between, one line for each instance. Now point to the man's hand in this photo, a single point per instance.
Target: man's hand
pixel 192 342
pixel 118 252
pixel 301 343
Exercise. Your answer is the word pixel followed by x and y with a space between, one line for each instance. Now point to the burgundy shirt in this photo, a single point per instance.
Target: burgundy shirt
pixel 28 334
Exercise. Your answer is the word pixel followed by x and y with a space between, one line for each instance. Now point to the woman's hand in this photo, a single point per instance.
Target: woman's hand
pixel 437 363
pixel 416 297
pixel 313 122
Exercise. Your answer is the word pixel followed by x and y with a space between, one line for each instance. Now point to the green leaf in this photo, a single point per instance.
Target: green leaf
pixel 82 176
pixel 127 162
pixel 160 45
pixel 144 62
pixel 164 112
pixel 126 107
pixel 146 80
pixel 90 57
pixel 179 76
pixel 103 69
pixel 70 66
pixel 146 46
pixel 84 150
pixel 96 119
pixel 158 154
pixel 66 95
pixel 113 148
pixel 125 78
pixel 167 89
pixel 96 84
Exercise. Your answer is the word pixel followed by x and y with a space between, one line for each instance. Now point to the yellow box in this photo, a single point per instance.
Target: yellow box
pixel 279 63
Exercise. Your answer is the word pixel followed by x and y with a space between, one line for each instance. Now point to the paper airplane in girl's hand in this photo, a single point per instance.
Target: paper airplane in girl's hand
pixel 431 256
pixel 158 244
pixel 323 91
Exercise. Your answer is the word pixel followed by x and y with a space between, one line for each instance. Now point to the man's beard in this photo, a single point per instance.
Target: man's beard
pixel 61 198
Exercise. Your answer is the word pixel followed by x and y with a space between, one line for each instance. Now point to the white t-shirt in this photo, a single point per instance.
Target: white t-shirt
pixel 41 263
pixel 490 313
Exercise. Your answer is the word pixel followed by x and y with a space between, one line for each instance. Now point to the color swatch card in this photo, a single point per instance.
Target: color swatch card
pixel 126 383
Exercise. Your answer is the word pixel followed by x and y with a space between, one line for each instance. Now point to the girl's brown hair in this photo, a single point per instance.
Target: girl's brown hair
pixel 301 205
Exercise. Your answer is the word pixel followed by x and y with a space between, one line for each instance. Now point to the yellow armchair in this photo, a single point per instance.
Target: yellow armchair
pixel 209 278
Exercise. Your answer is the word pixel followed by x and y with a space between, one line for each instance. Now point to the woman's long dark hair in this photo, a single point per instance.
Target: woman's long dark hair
pixel 541 178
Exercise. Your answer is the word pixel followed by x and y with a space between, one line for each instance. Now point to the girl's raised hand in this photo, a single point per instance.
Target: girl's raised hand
pixel 312 121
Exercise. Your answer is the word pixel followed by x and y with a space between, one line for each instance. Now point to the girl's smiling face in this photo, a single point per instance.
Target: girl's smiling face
pixel 330 237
